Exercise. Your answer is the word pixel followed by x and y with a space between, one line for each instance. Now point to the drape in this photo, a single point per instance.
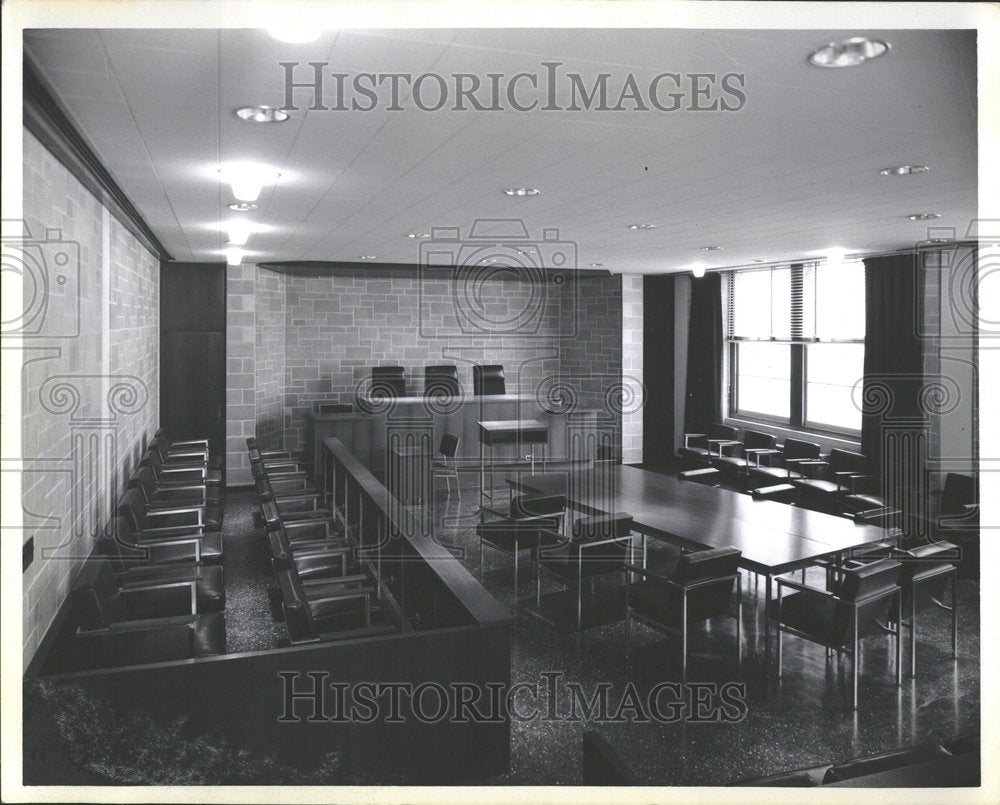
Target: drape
pixel 705 345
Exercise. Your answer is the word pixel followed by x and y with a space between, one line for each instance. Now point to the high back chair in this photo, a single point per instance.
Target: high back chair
pixel 488 379
pixel 445 464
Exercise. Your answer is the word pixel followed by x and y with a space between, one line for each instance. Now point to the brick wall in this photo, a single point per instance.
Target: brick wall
pixel 335 328
pixel 90 384
pixel 632 368
pixel 241 375
pixel 270 357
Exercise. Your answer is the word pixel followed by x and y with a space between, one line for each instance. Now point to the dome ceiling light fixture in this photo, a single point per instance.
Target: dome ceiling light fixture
pixel 848 53
pixel 261 114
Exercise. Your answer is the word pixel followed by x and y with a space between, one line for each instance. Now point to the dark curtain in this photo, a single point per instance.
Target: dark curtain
pixel 893 431
pixel 658 370
pixel 704 369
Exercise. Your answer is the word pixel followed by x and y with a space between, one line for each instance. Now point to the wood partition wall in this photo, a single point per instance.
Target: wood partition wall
pixel 454 636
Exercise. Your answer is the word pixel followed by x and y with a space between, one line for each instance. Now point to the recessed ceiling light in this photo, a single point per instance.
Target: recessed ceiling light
pixel 261 114
pixel 634 227
pixel 849 53
pixel 295 32
pixel 366 257
pixel 697 270
pixel 756 261
pixel 417 235
pixel 522 191
pixel 234 256
pixel 924 216
pixel 243 206
pixel 239 231
pixel 525 251
pixel 248 179
pixel 903 170
pixel 711 248
pixel 940 240
pixel 596 265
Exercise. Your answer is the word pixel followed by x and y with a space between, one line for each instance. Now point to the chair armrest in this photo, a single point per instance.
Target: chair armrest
pixel 334 581
pixel 318 549
pixel 190 443
pixel 805 588
pixel 310 525
pixel 346 595
pixel 187 453
pixel 139 625
pixel 201 470
pixel 146 588
pixel 646 571
pixel 157 535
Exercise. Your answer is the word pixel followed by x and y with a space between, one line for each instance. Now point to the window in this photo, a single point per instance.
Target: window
pixel 796 338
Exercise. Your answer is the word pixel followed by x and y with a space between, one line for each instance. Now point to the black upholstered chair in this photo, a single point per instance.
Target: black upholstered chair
pixel 444 464
pixel 782 466
pixel 141 623
pixel 441 381
pixel 342 612
pixel 183 457
pixel 154 525
pixel 488 379
pixel 598 546
pixel 133 566
pixel 699 588
pixel 310 559
pixel 529 515
pixel 840 620
pixel 737 465
pixel 180 474
pixel 927 571
pixel 292 504
pixel 184 445
pixel 700 448
pixel 172 497
pixel 825 482
pixel 163 550
pixel 387 382
pixel 958 520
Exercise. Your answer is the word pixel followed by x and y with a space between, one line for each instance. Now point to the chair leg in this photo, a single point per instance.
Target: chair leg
pixel 739 620
pixel 538 587
pixel 480 559
pixel 856 661
pixel 913 632
pixel 515 569
pixel 579 602
pixel 899 639
pixel 684 651
pixel 954 615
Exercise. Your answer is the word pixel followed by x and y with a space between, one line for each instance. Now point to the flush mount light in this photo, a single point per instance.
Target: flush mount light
pixel 295 32
pixel 522 191
pixel 924 216
pixel 711 248
pixel 903 170
pixel 366 257
pixel 238 231
pixel 248 179
pixel 849 53
pixel 234 256
pixel 940 240
pixel 526 251
pixel 261 114
pixel 243 206
pixel 635 227
pixel 596 265
pixel 756 261
pixel 417 235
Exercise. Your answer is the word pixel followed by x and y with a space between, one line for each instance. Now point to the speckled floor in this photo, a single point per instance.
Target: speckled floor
pixel 803 719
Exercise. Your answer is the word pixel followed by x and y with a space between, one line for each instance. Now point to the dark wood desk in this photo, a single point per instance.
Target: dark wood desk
pixel 497 432
pixel 773 538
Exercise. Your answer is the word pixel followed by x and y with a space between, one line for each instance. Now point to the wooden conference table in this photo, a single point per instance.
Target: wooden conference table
pixel 773 538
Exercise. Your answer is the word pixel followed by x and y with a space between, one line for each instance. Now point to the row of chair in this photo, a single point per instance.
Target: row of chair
pixel 153 589
pixel 388 382
pixel 325 593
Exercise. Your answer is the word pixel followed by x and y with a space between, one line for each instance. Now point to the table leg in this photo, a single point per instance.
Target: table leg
pixel 767 623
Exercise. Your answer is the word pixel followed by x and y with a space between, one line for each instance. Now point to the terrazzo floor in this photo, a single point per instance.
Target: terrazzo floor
pixel 803 719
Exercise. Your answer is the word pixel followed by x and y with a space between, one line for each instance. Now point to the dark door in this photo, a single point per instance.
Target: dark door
pixel 193 351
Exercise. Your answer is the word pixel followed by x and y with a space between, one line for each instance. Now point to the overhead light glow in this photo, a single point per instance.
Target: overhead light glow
pixel 234 255
pixel 849 53
pixel 417 235
pixel 697 269
pixel 924 216
pixel 248 179
pixel 238 231
pixel 243 206
pixel 903 170
pixel 522 191
pixel 711 248
pixel 635 227
pixel 261 114
pixel 366 257
pixel 295 32
pixel 596 265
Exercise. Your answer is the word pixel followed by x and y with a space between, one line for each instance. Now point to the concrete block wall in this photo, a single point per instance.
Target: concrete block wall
pixel 270 357
pixel 632 368
pixel 90 383
pixel 241 372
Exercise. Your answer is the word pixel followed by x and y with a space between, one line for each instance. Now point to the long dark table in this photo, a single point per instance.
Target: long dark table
pixel 773 538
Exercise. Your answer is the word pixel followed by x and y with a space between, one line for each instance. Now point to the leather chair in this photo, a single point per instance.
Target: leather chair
pixel 322 558
pixel 488 379
pixel 172 497
pixel 164 550
pixel 699 588
pixel 755 443
pixel 342 612
pixel 958 520
pixel 187 444
pixel 529 515
pixel 599 546
pixel 114 631
pixel 180 474
pixel 840 620
pixel 782 466
pixel 183 457
pixel 132 566
pixel 293 505
pixel 700 448
pixel 825 482
pixel 387 383
pixel 444 464
pixel 154 525
pixel 441 381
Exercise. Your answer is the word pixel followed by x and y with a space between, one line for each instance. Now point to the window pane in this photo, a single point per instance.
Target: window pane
pixel 763 381
pixel 840 301
pixel 831 372
pixel 781 302
pixel 752 304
